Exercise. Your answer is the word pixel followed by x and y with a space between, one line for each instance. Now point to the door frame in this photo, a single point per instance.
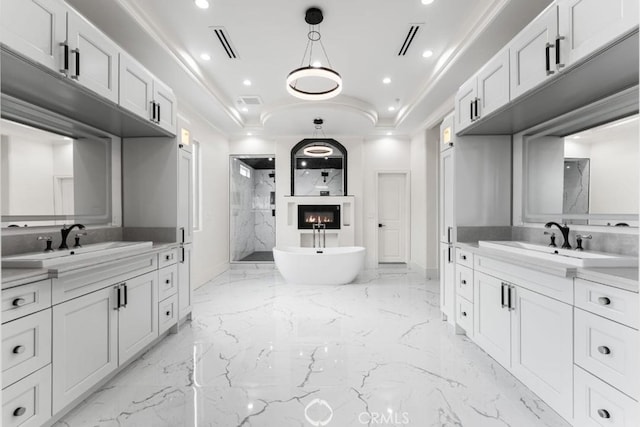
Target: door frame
pixel 407 212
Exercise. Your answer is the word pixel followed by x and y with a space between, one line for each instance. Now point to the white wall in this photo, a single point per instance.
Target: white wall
pixel 211 242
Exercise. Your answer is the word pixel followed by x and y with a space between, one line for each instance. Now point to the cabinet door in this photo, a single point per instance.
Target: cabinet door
pixel 85 344
pixel 493 84
pixel 185 196
pixel 167 106
pixel 184 282
pixel 531 61
pixel 447 230
pixel 447 285
pixel 588 25
pixel 465 97
pixel 138 319
pixel 36 29
pixel 94 58
pixel 135 88
pixel 542 347
pixel 491 321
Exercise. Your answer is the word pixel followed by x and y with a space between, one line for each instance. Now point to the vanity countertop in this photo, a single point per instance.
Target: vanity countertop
pixel 12 277
pixel 620 277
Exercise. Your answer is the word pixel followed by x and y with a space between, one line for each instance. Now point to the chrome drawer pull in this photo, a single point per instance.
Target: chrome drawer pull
pixel 604 301
pixel 604 413
pixel 168 313
pixel 19 349
pixel 19 411
pixel 464 282
pixel 464 313
pixel 19 302
pixel 167 281
pixel 604 349
pixel 463 257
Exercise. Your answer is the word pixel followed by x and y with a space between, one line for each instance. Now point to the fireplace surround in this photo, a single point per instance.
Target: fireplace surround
pixel 325 214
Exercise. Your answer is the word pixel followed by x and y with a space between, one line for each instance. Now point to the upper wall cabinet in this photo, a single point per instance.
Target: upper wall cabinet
pixel 485 92
pixel 574 53
pixel 531 55
pixel 146 96
pixel 51 55
pixel 95 57
pixel 584 26
pixel 36 29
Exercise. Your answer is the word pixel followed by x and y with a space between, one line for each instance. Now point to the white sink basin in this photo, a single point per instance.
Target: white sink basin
pixel 67 256
pixel 565 256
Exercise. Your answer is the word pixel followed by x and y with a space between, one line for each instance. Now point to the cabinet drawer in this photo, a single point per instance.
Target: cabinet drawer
pixel 27 403
pixel 597 404
pixel 167 257
pixel 26 346
pixel 26 299
pixel 608 350
pixel 168 313
pixel 464 282
pixel 168 281
pixel 85 280
pixel 612 303
pixel 464 257
pixel 464 315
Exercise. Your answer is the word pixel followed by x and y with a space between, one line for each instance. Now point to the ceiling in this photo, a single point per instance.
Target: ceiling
pixel 362 39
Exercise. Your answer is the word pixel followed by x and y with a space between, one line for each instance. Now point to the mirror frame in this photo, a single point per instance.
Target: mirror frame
pixel 22 112
pixel 617 106
pixel 329 141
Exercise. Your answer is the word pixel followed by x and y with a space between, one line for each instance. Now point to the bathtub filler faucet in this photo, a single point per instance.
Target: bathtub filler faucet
pixel 565 233
pixel 320 226
pixel 65 233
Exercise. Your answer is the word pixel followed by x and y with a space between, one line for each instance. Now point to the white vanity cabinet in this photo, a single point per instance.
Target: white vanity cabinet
pixel 526 331
pixel 85 344
pixel 483 93
pixel 185 290
pixel 607 348
pixel 143 94
pixel 185 194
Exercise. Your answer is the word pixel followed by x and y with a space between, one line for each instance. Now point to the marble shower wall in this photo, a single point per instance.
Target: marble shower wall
pixel 309 182
pixel 242 219
pixel 264 228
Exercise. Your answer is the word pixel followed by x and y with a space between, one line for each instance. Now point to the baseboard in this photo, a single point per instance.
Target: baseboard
pixel 427 273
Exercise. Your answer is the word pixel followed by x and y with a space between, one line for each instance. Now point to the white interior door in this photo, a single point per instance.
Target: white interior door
pixel 392 217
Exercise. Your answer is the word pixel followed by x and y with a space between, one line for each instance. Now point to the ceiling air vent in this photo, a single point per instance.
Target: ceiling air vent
pixel 250 100
pixel 411 34
pixel 223 37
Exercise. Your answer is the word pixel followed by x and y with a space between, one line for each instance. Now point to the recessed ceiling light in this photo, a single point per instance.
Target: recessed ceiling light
pixel 205 57
pixel 427 54
pixel 392 108
pixel 244 109
pixel 202 4
pixel 316 64
pixel 427 1
pixel 386 80
pixel 247 82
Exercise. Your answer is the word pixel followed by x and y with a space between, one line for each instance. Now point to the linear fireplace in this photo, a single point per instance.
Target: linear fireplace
pixel 325 214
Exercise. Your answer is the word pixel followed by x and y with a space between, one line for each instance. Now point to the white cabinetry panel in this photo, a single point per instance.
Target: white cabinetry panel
pixel 27 403
pixel 185 293
pixel 492 320
pixel 493 84
pixel 136 87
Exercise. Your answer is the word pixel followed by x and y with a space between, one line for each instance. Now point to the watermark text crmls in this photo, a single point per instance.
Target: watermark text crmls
pixel 384 418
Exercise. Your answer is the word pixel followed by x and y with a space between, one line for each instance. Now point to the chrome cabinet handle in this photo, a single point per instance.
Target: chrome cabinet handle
pixel 464 314
pixel 168 313
pixel 167 281
pixel 19 302
pixel 502 286
pixel 464 282
pixel 548 46
pixel 19 349
pixel 604 301
pixel 604 413
pixel 603 349
pixel 463 257
pixel 19 411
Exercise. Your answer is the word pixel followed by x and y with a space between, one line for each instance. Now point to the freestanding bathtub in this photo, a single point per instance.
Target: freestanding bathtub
pixel 319 266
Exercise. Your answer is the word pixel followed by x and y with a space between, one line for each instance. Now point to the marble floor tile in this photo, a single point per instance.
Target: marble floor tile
pixel 263 353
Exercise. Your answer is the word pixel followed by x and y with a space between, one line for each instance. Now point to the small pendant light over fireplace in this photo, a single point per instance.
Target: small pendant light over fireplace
pixel 315 70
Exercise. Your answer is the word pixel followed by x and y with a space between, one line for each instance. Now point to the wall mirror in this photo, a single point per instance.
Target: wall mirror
pixel 51 179
pixel 319 168
pixel 586 170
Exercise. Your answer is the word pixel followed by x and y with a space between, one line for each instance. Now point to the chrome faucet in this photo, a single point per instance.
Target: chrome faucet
pixel 565 233
pixel 579 238
pixel 65 233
